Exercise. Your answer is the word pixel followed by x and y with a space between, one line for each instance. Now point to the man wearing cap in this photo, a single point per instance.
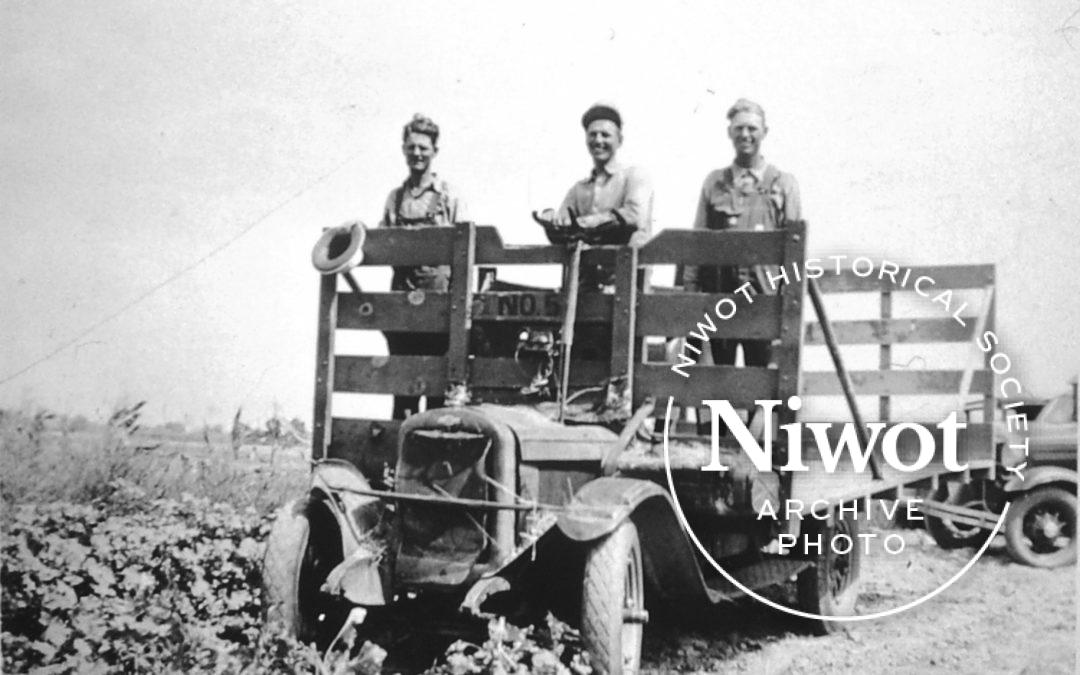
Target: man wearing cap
pixel 613 204
pixel 751 194
pixel 423 200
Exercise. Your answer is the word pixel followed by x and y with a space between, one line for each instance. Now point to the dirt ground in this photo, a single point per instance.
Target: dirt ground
pixel 1000 617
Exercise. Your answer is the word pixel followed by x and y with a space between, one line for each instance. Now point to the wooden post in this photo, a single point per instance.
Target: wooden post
pixel 571 284
pixel 461 295
pixel 324 367
pixel 787 350
pixel 842 373
pixel 885 353
pixel 623 323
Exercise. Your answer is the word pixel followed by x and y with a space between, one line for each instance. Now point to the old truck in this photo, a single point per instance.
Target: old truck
pixel 556 479
pixel 1039 435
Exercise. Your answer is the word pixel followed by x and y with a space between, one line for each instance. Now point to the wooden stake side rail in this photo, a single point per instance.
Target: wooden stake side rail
pixel 937 278
pixel 651 312
pixel 434 246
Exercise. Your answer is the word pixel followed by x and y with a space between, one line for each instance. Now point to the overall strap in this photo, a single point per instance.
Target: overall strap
pixel 399 199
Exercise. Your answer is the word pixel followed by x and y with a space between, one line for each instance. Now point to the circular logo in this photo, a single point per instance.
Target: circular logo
pixel 898 279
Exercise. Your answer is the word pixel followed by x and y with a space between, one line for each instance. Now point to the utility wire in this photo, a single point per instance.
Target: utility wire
pixel 180 272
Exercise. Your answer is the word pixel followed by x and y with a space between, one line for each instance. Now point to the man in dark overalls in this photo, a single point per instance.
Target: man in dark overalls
pixel 423 200
pixel 751 194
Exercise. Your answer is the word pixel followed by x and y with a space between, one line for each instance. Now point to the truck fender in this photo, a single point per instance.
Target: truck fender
pixel 357 577
pixel 670 564
pixel 1041 475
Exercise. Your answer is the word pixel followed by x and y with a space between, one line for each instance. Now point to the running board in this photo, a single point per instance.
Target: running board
pixel 958 514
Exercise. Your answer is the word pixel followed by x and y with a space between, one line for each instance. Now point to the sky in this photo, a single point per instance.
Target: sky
pixel 166 167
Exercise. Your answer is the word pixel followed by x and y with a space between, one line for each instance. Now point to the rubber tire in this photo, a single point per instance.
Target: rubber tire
pixel 299 554
pixel 1018 544
pixel 815 585
pixel 614 580
pixel 943 531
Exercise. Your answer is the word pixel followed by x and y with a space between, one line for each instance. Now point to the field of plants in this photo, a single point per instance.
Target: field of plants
pixel 125 553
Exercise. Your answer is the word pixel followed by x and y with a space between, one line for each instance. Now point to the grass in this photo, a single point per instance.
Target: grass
pixel 43 464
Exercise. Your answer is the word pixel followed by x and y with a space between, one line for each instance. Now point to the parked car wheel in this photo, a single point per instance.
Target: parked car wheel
pixel 303 546
pixel 949 534
pixel 613 603
pixel 1040 529
pixel 831 586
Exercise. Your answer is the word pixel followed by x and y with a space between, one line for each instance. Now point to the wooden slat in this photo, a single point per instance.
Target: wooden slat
pixel 944 277
pixel 370 445
pixel 408 246
pixel 404 246
pixel 544 307
pixel 658 314
pixel 713 247
pixel 892 331
pixel 894 382
pixel 741 386
pixel 324 365
pixel 429 312
pixel 420 375
pixel 671 314
pixel 974 446
pixel 415 312
pixel 401 375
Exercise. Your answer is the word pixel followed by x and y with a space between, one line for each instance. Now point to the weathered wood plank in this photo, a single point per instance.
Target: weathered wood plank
pixel 713 247
pixel 894 382
pixel 974 447
pixel 741 386
pixel 426 375
pixel 673 314
pixel 415 312
pixel 943 277
pixel 429 312
pixel 892 331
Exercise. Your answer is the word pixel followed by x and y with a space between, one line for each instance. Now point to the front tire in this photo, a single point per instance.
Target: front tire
pixel 1040 529
pixel 831 586
pixel 613 603
pixel 303 546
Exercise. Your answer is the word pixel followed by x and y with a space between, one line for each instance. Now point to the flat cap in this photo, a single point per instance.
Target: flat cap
pixel 601 110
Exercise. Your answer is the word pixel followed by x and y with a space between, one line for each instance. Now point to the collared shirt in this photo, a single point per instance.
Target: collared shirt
pixel 784 193
pixel 719 207
pixel 433 202
pixel 612 189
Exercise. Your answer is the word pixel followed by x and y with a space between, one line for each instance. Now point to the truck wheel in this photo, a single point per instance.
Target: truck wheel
pixel 831 586
pixel 613 603
pixel 1040 529
pixel 303 546
pixel 949 534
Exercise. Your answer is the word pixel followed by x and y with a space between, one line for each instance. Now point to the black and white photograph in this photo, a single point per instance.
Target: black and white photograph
pixel 563 338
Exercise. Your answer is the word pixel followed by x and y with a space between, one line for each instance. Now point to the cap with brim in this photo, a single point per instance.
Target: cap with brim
pixel 601 111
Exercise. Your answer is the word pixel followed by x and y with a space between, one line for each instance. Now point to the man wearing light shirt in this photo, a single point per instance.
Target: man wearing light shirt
pixel 751 194
pixel 613 204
